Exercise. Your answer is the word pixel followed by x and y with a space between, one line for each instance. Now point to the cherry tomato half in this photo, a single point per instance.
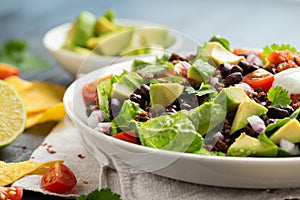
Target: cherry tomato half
pixel 7 70
pixel 128 136
pixel 58 179
pixel 260 78
pixel 12 193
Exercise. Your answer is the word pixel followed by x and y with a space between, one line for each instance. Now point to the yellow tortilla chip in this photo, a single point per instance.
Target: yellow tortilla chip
pixel 54 113
pixel 38 96
pixel 10 172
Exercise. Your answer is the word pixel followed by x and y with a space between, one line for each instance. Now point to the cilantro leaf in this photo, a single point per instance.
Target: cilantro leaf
pixel 15 52
pixel 279 97
pixel 203 90
pixel 103 194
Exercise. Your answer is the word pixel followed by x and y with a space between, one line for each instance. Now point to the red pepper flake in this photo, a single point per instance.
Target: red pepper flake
pixel 85 182
pixel 49 146
pixel 81 156
pixel 24 147
pixel 51 151
pixel 76 191
pixel 32 157
pixel 44 144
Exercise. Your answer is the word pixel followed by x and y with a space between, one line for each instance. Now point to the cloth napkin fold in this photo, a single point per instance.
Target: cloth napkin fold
pixel 65 143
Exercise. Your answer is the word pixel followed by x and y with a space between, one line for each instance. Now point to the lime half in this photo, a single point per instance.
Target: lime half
pixel 12 114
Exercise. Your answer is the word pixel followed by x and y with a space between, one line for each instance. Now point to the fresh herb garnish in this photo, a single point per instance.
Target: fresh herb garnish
pixel 103 194
pixel 279 97
pixel 15 52
pixel 222 41
pixel 203 90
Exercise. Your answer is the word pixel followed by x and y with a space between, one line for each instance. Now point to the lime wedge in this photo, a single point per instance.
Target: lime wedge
pixel 12 114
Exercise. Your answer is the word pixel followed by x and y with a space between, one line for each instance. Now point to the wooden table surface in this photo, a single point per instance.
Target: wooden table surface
pixel 245 24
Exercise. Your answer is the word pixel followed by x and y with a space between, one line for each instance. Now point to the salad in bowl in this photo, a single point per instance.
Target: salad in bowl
pixel 218 101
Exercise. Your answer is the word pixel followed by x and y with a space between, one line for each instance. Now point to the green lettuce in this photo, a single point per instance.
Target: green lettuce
pixel 174 132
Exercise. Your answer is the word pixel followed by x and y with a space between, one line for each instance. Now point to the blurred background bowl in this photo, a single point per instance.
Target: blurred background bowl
pixel 77 63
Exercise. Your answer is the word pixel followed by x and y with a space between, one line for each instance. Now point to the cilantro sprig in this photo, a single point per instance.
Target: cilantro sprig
pixel 15 52
pixel 103 194
pixel 279 97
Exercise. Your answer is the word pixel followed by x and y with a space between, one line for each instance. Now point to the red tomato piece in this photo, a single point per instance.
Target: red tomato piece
pixel 238 51
pixel 58 179
pixel 12 193
pixel 128 136
pixel 260 78
pixel 7 70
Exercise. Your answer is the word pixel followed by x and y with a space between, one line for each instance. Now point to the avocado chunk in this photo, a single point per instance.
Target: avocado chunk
pixel 201 72
pixel 113 43
pixel 207 116
pixel 165 94
pixel 245 110
pixel 155 37
pixel 220 54
pixel 246 145
pixel 231 97
pixel 290 131
pixel 104 26
pixel 81 30
pixel 126 85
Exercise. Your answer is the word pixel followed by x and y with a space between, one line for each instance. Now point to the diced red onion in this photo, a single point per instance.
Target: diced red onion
pixel 185 65
pixel 253 58
pixel 104 128
pixel 289 146
pixel 213 81
pixel 245 87
pixel 96 117
pixel 257 124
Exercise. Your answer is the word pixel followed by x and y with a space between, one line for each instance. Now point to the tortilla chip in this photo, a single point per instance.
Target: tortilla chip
pixel 54 113
pixel 38 96
pixel 10 172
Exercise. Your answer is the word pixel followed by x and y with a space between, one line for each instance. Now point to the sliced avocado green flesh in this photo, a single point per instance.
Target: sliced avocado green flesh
pixel 165 94
pixel 290 131
pixel 126 85
pixel 246 145
pixel 231 97
pixel 81 30
pixel 200 72
pixel 245 110
pixel 104 26
pixel 159 37
pixel 111 44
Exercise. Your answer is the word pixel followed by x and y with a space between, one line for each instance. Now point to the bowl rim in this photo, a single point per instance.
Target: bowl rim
pixel 65 26
pixel 67 99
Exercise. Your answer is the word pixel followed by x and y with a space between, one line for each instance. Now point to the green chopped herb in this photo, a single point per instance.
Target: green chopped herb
pixel 276 47
pixel 279 97
pixel 103 194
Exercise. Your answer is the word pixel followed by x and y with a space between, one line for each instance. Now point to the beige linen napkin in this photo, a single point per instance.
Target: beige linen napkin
pixel 67 145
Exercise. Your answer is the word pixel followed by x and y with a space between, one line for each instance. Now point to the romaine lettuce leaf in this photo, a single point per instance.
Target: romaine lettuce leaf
pixel 174 132
pixel 125 120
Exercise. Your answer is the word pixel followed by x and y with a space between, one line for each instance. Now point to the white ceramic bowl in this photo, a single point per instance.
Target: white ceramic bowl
pixel 236 172
pixel 77 63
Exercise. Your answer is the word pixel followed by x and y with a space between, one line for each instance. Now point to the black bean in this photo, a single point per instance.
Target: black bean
pixel 236 68
pixel 137 99
pixel 244 65
pixel 252 68
pixel 185 106
pixel 225 69
pixel 233 78
pixel 277 113
pixel 170 109
pixel 290 109
pixel 145 91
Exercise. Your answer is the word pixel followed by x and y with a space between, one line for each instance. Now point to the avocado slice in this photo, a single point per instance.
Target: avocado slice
pixel 113 43
pixel 104 26
pixel 126 85
pixel 231 97
pixel 220 54
pixel 201 72
pixel 165 94
pixel 290 131
pixel 81 30
pixel 245 110
pixel 157 37
pixel 246 145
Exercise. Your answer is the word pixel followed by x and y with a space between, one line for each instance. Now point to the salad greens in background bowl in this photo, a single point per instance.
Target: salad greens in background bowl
pixel 221 116
pixel 91 42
